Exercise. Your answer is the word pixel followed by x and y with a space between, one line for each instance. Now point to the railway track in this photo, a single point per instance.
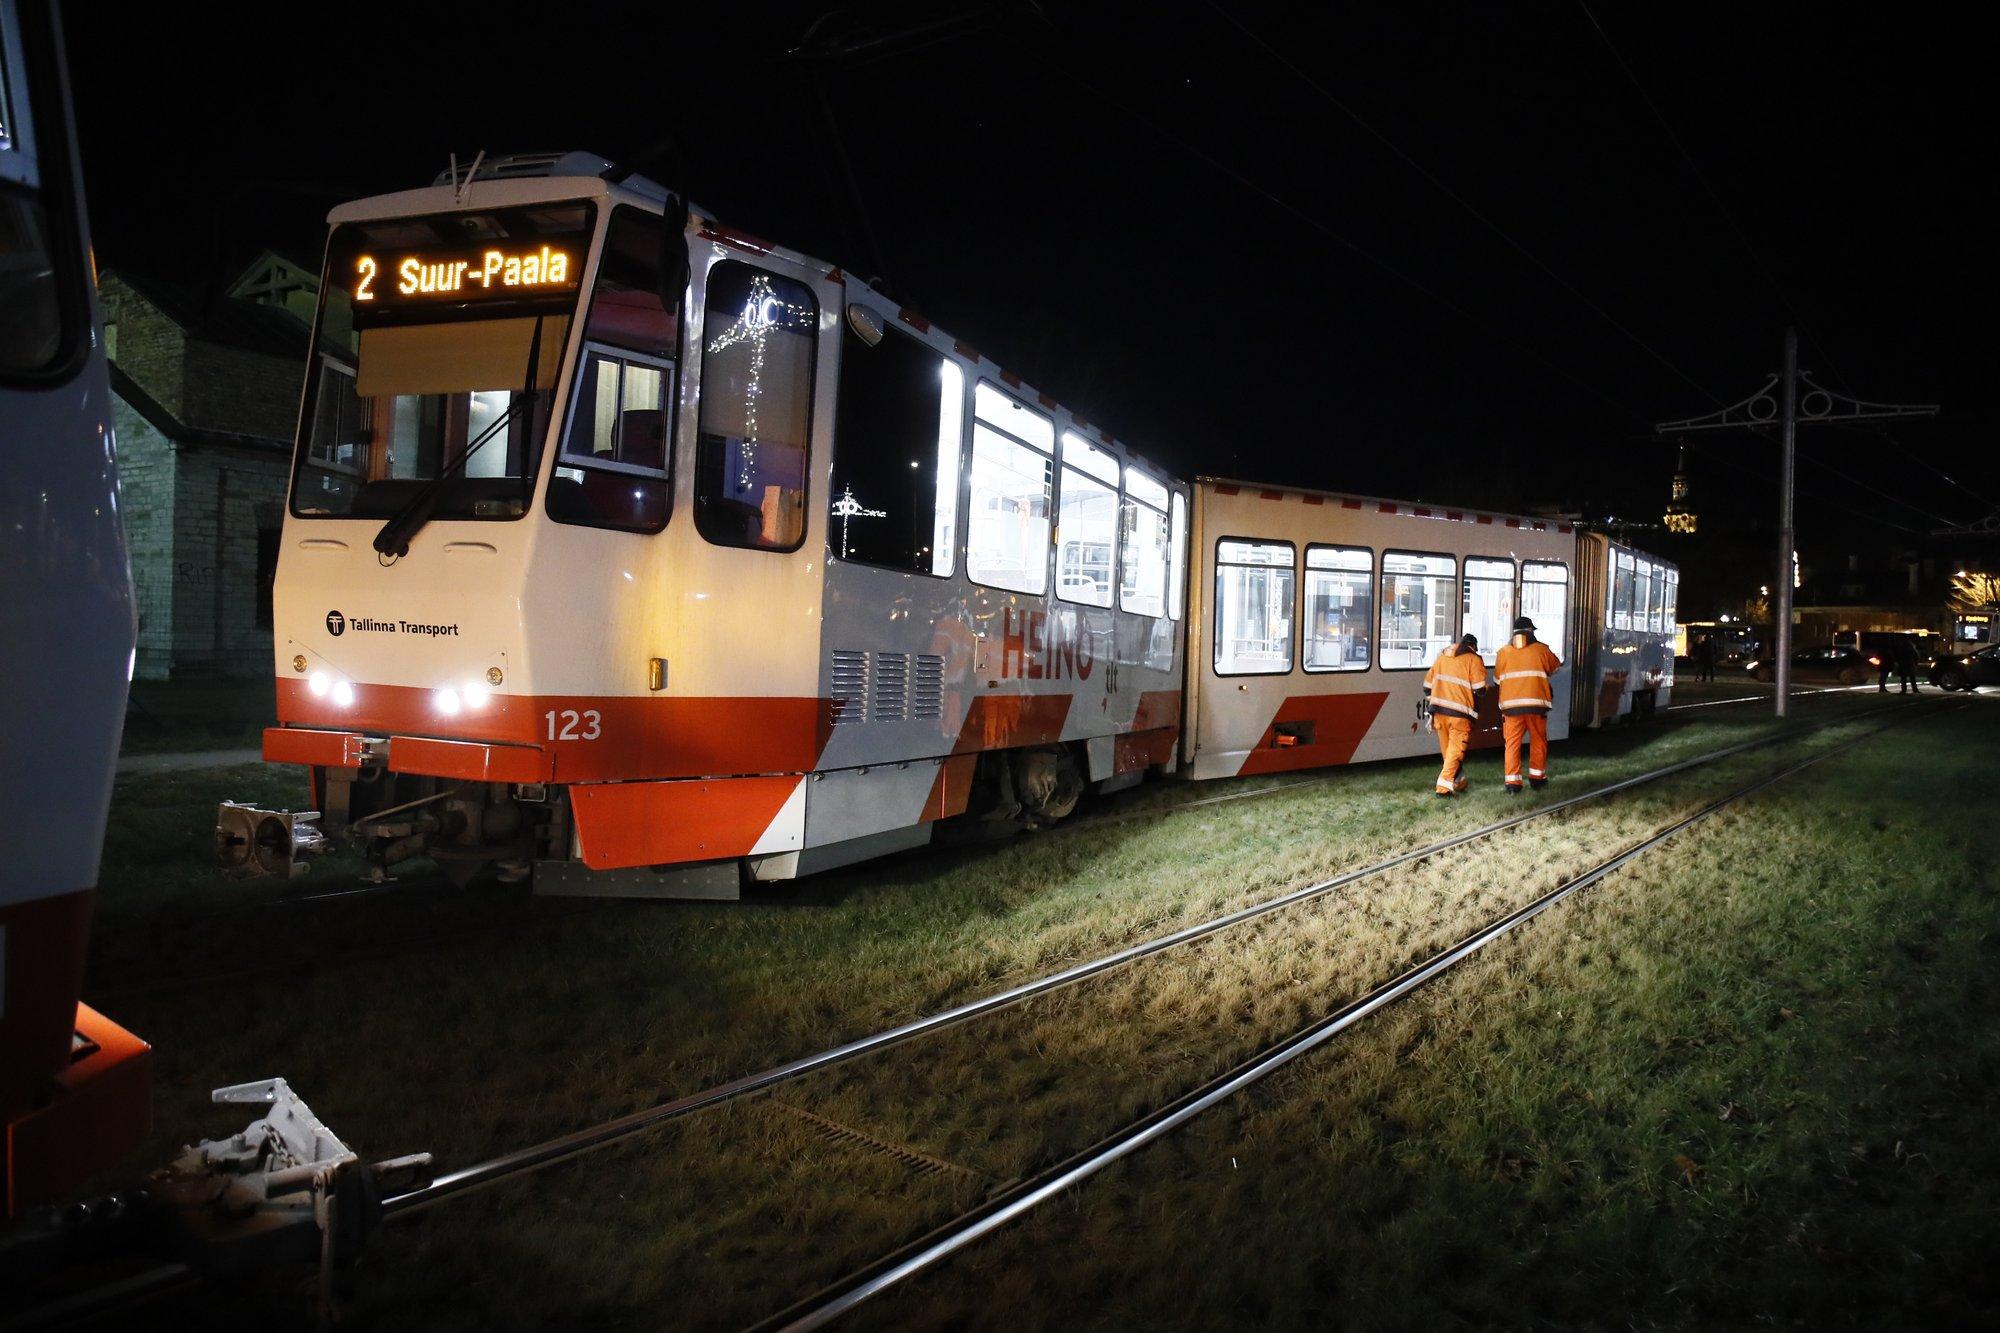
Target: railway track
pixel 431 887
pixel 1016 1200
pixel 863 1284
pixel 436 889
pixel 570 1146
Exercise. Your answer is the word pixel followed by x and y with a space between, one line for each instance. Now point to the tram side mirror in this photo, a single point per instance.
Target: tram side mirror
pixel 867 325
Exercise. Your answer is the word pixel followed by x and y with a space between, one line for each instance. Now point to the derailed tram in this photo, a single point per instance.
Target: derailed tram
pixel 641 556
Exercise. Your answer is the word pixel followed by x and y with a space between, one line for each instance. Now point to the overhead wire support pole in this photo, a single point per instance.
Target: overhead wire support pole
pixel 1788 547
pixel 1791 411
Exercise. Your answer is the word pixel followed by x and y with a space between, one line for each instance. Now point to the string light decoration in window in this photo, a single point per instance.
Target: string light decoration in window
pixel 756 408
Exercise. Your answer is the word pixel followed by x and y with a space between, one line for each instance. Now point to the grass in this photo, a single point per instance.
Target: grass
pixel 1749 1082
pixel 166 716
pixel 526 1018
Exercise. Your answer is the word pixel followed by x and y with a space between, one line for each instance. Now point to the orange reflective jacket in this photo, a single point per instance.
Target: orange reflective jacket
pixel 1525 671
pixel 1452 680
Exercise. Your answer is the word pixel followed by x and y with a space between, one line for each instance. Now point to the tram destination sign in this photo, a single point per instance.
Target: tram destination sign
pixel 400 279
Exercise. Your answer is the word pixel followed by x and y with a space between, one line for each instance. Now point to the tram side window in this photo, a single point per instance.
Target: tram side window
pixel 898 427
pixel 1253 608
pixel 1623 584
pixel 1545 600
pixel 1673 608
pixel 1489 603
pixel 1143 588
pixel 1419 608
pixel 758 329
pixel 1011 484
pixel 615 467
pixel 1086 523
pixel 1340 607
pixel 38 287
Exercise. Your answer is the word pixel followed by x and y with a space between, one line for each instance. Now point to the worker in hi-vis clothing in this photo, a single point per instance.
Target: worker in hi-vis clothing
pixel 1525 667
pixel 1451 701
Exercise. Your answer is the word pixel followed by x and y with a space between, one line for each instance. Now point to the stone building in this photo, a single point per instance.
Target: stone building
pixel 207 395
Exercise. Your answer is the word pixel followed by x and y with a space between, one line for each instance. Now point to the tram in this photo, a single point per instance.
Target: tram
pixel 633 554
pixel 73 1084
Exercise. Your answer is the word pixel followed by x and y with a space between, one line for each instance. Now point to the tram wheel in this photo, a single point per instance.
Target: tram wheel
pixel 1048 782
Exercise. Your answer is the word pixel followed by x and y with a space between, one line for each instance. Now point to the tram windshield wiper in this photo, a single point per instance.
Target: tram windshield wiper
pixel 396 534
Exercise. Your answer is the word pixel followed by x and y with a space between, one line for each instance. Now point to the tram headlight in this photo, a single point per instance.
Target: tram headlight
pixel 446 700
pixel 474 694
pixel 343 693
pixel 318 683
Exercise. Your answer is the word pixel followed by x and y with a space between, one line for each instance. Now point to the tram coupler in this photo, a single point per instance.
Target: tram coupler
pixel 285 1188
pixel 251 842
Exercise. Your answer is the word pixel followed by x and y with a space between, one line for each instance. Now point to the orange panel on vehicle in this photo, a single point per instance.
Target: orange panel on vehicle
pixel 101 1110
pixel 1157 708
pixel 952 788
pixel 1003 721
pixel 317 749
pixel 592 738
pixel 1143 749
pixel 470 760
pixel 622 824
pixel 1339 721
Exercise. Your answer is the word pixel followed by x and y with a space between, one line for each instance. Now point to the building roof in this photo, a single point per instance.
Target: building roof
pixel 174 429
pixel 224 320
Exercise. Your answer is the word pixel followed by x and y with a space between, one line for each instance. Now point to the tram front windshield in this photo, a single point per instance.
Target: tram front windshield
pixel 436 353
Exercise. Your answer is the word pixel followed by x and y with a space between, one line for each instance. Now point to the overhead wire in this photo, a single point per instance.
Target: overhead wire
pixel 1714 196
pixel 1445 189
pixel 1317 224
pixel 1723 456
pixel 1868 486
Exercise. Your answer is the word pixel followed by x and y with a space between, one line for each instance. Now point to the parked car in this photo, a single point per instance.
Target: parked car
pixel 1831 665
pixel 1878 643
pixel 1967 671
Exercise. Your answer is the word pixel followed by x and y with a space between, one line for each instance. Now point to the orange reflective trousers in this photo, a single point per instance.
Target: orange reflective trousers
pixel 1454 733
pixel 1535 727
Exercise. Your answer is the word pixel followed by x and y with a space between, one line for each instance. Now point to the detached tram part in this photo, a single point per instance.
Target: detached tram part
pixel 283 1190
pixel 837 1299
pixel 569 1146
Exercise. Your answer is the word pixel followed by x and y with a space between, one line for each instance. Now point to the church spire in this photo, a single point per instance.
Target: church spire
pixel 1680 518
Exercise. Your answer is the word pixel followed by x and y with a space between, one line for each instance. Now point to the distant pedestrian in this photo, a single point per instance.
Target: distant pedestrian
pixel 1884 659
pixel 1526 669
pixel 1451 701
pixel 1906 664
pixel 1704 656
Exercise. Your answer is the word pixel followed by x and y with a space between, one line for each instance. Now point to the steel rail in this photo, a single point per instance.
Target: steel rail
pixel 560 1149
pixel 1762 698
pixel 832 1301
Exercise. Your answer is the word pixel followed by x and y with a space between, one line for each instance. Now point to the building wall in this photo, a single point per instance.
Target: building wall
pixel 243 393
pixel 146 497
pixel 152 349
pixel 225 498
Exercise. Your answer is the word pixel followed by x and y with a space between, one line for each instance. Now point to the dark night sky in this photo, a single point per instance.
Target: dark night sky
pixel 1151 218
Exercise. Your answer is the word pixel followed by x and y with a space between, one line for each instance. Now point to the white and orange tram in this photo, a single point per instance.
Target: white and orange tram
pixel 638 555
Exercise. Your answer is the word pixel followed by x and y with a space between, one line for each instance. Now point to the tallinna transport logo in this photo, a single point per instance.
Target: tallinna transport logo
pixel 336 624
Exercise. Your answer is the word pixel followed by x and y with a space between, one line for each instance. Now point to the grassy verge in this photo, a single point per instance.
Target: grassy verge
pixel 528 1018
pixel 1747 1081
pixel 165 716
